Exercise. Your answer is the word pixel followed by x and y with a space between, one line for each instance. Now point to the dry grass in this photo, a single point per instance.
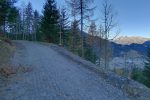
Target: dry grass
pixel 5 39
pixel 119 71
pixel 6 50
pixel 8 70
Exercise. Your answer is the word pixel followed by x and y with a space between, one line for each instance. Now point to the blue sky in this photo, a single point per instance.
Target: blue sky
pixel 133 15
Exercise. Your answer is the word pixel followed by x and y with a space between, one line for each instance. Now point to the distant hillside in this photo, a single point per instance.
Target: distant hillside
pixel 130 40
pixel 123 45
pixel 119 49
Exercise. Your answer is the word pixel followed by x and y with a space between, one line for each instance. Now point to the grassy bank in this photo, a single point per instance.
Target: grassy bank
pixel 6 50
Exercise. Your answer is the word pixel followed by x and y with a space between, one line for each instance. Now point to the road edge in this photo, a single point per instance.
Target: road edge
pixel 135 90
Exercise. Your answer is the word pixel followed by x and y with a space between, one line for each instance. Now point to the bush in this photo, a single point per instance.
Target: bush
pixel 137 74
pixel 90 55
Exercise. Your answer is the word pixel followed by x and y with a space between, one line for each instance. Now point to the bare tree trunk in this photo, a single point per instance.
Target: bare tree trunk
pixel 100 52
pixel 108 24
pixel 105 50
pixel 60 37
pixel 4 25
pixel 35 37
pixel 82 36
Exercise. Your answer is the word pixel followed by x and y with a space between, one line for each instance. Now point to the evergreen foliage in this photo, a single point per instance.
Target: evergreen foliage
pixel 137 75
pixel 8 12
pixel 29 19
pixel 90 55
pixel 36 24
pixel 75 37
pixel 64 26
pixel 50 20
pixel 146 72
pixel 53 26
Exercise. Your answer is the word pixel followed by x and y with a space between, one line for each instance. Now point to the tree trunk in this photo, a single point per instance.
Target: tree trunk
pixel 82 36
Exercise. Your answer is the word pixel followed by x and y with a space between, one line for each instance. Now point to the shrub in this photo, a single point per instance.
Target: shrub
pixel 137 74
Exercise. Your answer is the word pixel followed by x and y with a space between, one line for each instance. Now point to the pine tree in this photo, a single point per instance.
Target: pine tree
pixel 29 19
pixel 50 26
pixel 64 27
pixel 91 41
pixel 15 27
pixel 22 12
pixel 36 24
pixel 146 72
pixel 8 12
pixel 89 54
pixel 75 38
pixel 18 23
pixel 92 33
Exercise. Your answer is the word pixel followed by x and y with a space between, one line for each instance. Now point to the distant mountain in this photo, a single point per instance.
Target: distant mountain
pixel 132 51
pixel 125 40
pixel 123 45
pixel 119 49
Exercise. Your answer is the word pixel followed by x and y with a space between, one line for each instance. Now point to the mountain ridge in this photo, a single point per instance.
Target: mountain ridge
pixel 127 40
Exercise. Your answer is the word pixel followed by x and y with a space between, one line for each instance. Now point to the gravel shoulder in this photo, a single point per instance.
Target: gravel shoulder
pixel 54 77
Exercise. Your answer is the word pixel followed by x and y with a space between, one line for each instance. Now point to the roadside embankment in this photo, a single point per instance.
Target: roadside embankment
pixel 135 90
pixel 6 50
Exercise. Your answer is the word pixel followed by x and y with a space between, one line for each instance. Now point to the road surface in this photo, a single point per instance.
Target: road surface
pixel 54 77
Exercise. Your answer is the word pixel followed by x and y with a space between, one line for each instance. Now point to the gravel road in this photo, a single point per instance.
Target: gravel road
pixel 54 77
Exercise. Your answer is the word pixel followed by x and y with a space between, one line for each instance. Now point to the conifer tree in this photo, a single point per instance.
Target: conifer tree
pixel 29 18
pixel 63 21
pixel 146 71
pixel 36 24
pixel 75 37
pixel 92 33
pixel 50 20
pixel 8 12
pixel 15 27
pixel 91 41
